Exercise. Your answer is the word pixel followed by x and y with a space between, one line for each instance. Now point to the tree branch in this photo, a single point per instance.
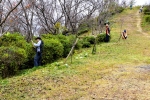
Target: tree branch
pixel 10 12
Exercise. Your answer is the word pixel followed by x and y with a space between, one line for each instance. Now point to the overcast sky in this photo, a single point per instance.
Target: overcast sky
pixel 139 2
pixel 142 2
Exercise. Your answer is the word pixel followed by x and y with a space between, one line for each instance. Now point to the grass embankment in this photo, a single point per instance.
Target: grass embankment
pixel 145 16
pixel 112 73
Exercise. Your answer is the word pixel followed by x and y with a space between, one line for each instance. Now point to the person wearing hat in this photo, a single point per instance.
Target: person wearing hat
pixel 107 33
pixel 38 47
pixel 124 34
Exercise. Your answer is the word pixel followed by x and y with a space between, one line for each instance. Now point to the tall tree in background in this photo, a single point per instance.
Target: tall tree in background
pixel 5 12
pixel 46 16
pixel 132 2
pixel 77 11
pixel 48 13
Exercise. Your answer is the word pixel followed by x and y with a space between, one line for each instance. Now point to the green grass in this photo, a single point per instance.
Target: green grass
pixel 145 25
pixel 88 76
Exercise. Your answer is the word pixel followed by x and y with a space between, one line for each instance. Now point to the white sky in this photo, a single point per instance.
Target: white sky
pixel 139 2
pixel 142 2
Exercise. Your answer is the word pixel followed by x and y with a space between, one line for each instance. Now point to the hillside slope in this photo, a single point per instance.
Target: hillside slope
pixel 120 70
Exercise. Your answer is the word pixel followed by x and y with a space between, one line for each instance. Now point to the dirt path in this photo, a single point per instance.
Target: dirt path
pixel 139 25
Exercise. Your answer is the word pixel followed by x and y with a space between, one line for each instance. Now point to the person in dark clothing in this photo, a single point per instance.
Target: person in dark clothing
pixel 130 6
pixel 39 48
pixel 107 33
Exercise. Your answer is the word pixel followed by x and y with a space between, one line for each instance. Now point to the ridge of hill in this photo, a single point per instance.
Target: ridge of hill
pixel 120 70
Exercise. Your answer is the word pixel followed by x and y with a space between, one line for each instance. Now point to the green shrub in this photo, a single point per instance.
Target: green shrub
pixel 30 52
pixel 147 18
pixel 146 11
pixel 83 28
pixel 18 40
pixel 82 31
pixel 91 39
pixel 52 50
pixel 66 44
pixel 65 32
pixel 72 39
pixel 66 41
pixel 14 39
pixel 101 37
pixel 11 58
pixel 48 36
pixel 86 44
pixel 87 41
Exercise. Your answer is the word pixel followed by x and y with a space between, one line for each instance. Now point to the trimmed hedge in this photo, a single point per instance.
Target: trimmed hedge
pixel 17 40
pixel 66 41
pixel 87 41
pixel 146 11
pixel 12 58
pixel 17 54
pixel 101 38
pixel 66 44
pixel 53 49
pixel 147 18
pixel 13 40
pixel 86 44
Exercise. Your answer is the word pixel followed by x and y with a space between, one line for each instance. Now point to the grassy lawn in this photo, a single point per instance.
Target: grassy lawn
pixel 114 72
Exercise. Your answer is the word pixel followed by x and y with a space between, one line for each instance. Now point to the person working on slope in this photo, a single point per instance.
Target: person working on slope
pixel 124 34
pixel 39 48
pixel 107 33
pixel 141 9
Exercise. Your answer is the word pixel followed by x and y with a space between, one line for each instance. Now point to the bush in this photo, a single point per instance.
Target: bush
pixel 52 50
pixel 14 39
pixel 83 28
pixel 11 58
pixel 72 39
pixel 101 38
pixel 30 52
pixel 66 44
pixel 65 32
pixel 87 41
pixel 66 41
pixel 146 11
pixel 48 36
pixel 147 18
pixel 18 40
pixel 91 39
pixel 86 44
pixel 82 31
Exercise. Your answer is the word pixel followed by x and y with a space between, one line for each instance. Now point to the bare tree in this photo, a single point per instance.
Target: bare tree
pixel 5 12
pixel 27 18
pixel 77 11
pixel 43 15
pixel 48 14
pixel 106 9
pixel 132 2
